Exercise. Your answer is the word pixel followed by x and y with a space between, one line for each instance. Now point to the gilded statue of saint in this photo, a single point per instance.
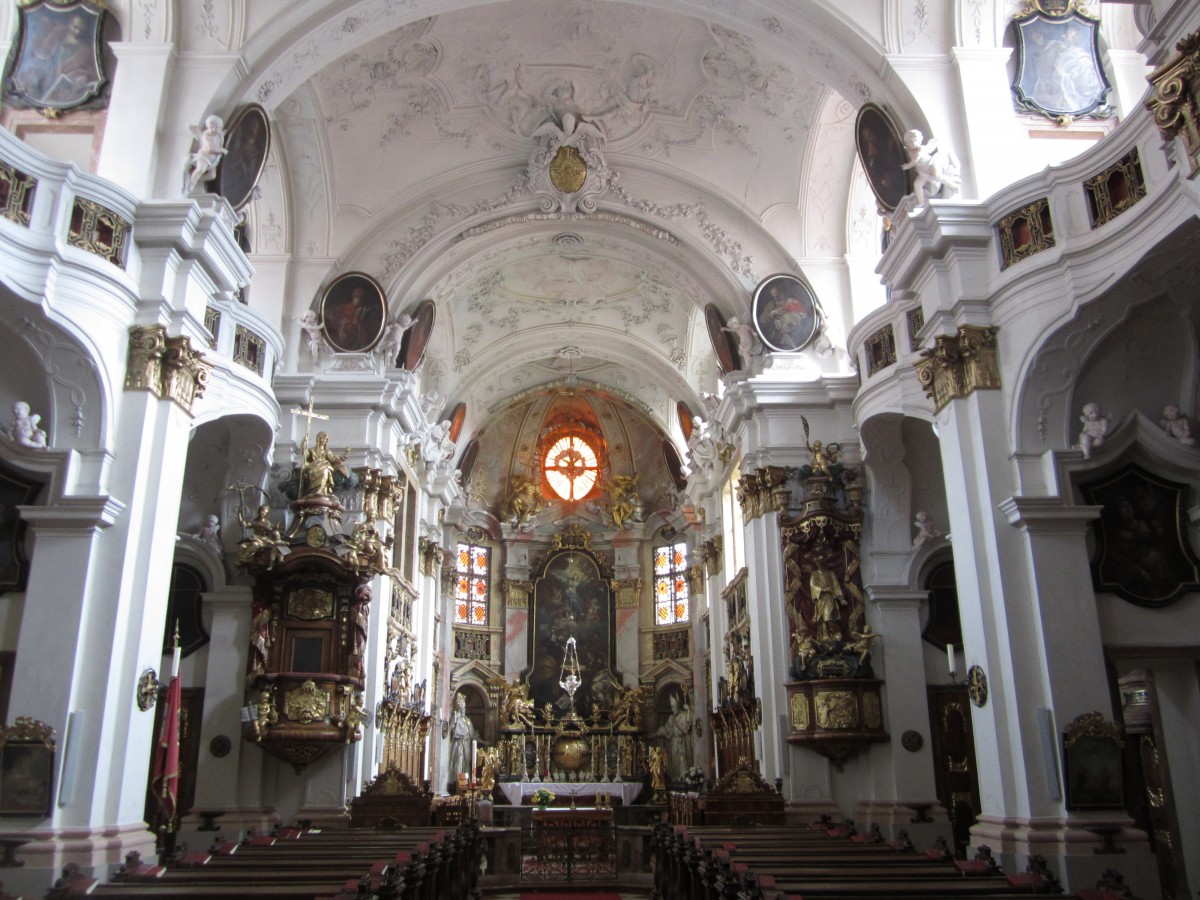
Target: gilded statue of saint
pixel 827 597
pixel 316 478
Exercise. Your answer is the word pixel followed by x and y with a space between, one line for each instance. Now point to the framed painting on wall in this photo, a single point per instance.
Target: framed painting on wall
pixel 247 143
pixel 416 339
pixel 882 156
pixel 785 313
pixel 354 311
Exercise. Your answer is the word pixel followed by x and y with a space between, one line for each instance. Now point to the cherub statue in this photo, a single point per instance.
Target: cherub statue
pixel 926 529
pixel 861 643
pixel 1176 424
pixel 312 327
pixel 1095 427
pixel 266 714
pixel 701 446
pixel 25 430
pixel 823 456
pixel 367 551
pixel 264 535
pixel 523 503
pixel 210 531
pixel 393 336
pixel 745 337
pixel 210 147
pixel 937 171
pixel 805 646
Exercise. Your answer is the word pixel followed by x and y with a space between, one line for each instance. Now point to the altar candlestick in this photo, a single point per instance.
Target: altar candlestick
pixel 951 660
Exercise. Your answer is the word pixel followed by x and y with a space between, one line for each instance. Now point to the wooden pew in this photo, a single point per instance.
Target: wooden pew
pixel 818 864
pixel 413 864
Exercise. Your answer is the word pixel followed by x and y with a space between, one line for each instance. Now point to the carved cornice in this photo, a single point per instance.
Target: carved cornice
pixel 1176 98
pixel 763 491
pixel 165 366
pixel 958 365
pixel 1093 725
pixel 517 593
pixel 628 593
pixel 27 730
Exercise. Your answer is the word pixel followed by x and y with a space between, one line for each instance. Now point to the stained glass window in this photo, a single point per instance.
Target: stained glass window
pixel 571 467
pixel 672 604
pixel 472 577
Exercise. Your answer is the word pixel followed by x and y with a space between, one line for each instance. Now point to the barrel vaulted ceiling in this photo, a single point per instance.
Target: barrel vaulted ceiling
pixel 404 130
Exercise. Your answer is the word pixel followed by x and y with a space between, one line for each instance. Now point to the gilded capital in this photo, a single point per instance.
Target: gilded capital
pixel 628 593
pixel 763 491
pixel 958 365
pixel 1175 98
pixel 143 367
pixel 185 373
pixel 517 593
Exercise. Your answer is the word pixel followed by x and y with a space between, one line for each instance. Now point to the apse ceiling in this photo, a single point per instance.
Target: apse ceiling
pixel 405 148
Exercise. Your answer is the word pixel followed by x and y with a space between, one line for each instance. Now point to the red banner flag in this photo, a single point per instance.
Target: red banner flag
pixel 165 775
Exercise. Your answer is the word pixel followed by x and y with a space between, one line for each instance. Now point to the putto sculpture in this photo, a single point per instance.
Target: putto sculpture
pixel 937 172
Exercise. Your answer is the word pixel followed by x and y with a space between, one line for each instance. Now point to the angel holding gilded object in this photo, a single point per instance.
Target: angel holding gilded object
pixel 862 643
pixel 805 647
pixel 264 535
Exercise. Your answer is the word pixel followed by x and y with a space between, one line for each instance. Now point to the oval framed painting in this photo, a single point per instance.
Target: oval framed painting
pixel 882 156
pixel 687 421
pixel 457 417
pixel 674 464
pixel 466 462
pixel 786 314
pixel 416 339
pixel 353 313
pixel 247 143
pixel 727 356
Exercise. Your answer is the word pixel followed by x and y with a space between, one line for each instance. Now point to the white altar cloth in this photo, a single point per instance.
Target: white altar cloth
pixel 517 791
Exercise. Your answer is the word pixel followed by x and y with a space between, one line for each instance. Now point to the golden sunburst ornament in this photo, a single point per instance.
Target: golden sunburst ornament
pixel 568 170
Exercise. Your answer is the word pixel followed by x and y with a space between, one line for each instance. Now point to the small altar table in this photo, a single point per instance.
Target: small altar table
pixel 517 791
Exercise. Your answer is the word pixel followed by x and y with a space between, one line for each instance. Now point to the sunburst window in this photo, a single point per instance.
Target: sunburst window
pixel 571 467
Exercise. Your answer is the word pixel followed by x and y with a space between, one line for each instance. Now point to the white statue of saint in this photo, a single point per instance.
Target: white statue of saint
pixel 25 430
pixel 210 147
pixel 676 733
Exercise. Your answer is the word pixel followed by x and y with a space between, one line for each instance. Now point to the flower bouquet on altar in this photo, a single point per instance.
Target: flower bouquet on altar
pixel 694 779
pixel 542 797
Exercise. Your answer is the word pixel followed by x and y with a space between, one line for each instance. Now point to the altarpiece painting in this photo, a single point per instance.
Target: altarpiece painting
pixel 572 597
